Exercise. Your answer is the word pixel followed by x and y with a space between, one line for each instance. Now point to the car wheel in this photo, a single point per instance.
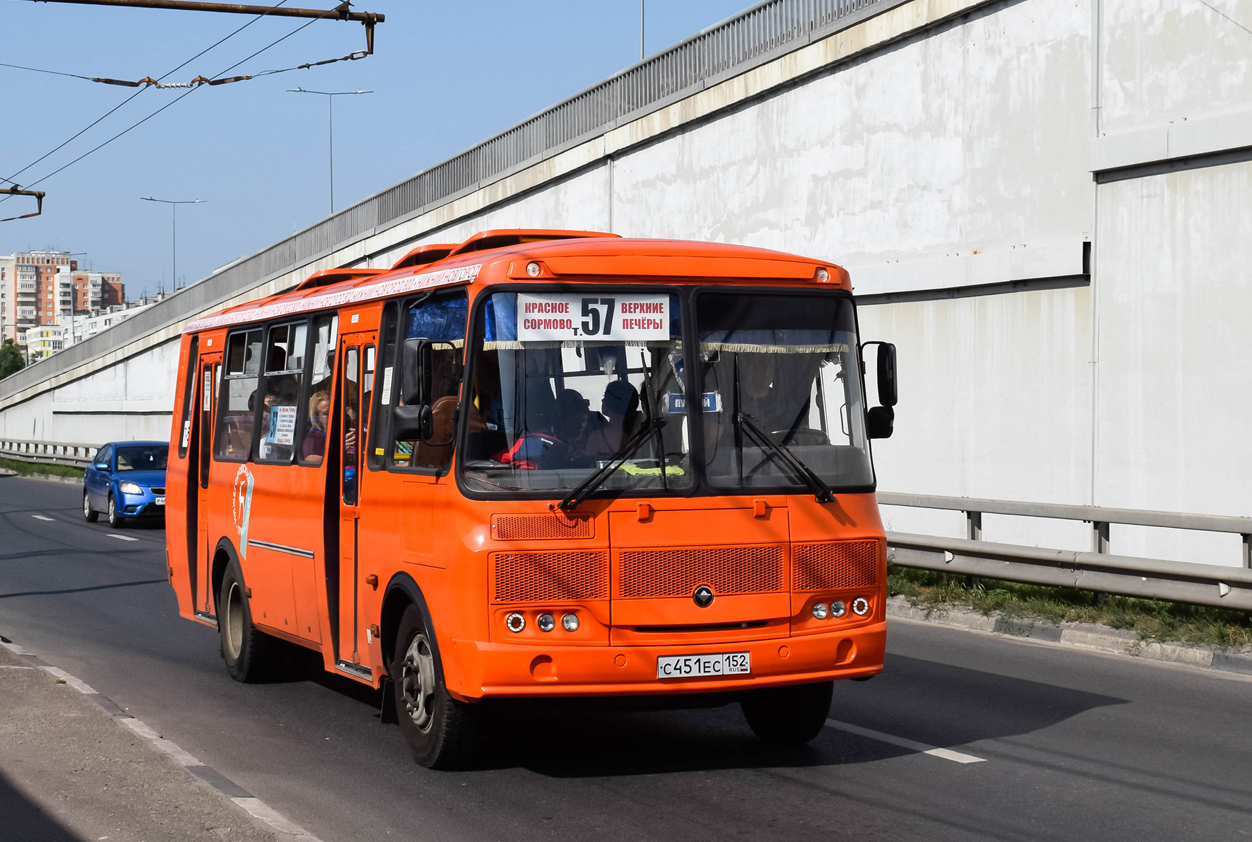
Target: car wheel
pixel 115 519
pixel 438 729
pixel 788 716
pixel 247 651
pixel 89 514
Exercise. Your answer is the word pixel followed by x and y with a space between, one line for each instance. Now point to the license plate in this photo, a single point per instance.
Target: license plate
pixel 160 501
pixel 703 666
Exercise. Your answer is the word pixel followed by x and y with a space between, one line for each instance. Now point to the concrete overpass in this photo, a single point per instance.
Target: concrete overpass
pixel 1043 203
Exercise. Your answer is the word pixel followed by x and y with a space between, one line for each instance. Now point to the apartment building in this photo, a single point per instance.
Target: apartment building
pixel 43 288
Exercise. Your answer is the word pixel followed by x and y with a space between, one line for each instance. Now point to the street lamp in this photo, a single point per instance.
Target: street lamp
pixel 330 106
pixel 174 238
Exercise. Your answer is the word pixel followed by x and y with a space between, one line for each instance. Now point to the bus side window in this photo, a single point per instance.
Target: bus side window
pixel 193 366
pixel 236 409
pixel 440 319
pixel 280 410
pixel 316 407
pixel 381 416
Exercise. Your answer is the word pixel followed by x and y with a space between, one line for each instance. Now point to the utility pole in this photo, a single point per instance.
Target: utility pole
pixel 174 218
pixel 330 105
pixel 641 2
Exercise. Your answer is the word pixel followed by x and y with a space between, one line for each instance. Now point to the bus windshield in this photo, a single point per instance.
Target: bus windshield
pixel 567 383
pixel 781 387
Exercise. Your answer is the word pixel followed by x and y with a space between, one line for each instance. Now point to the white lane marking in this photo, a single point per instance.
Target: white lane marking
pixel 123 537
pixel 41 517
pixel 80 686
pixel 945 753
pixel 274 819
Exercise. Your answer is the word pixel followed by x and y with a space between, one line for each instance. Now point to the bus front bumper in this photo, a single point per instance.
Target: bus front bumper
pixel 512 670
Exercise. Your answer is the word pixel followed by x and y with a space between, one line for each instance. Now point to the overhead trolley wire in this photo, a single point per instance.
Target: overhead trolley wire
pixel 114 109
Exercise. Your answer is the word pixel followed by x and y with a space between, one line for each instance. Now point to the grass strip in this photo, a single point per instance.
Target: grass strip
pixel 1151 619
pixel 27 469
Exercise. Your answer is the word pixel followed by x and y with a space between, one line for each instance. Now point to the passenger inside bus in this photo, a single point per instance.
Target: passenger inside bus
pixel 314 446
pixel 621 412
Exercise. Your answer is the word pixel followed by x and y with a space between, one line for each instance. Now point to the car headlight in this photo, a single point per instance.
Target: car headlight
pixel 130 488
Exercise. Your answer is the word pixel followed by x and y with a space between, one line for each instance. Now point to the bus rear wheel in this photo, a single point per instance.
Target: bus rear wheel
pixel 438 729
pixel 247 651
pixel 788 716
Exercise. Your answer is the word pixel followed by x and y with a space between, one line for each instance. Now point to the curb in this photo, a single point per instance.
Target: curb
pixel 1079 635
pixel 241 797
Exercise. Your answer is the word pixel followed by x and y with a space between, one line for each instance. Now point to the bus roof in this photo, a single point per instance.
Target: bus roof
pixel 557 254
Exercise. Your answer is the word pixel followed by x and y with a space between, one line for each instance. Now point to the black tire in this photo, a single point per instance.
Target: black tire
pixel 89 514
pixel 788 716
pixel 248 652
pixel 115 519
pixel 438 729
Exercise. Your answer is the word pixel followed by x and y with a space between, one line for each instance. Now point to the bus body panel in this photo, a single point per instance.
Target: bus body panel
pixel 419 527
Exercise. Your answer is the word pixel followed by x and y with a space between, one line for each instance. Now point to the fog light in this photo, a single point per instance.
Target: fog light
pixel 570 622
pixel 533 269
pixel 860 606
pixel 838 609
pixel 515 622
pixel 546 623
pixel 819 611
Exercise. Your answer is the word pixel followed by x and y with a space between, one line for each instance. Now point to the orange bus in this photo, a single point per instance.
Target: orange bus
pixel 541 464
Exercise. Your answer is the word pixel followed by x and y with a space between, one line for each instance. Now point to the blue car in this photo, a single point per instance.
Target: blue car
pixel 126 479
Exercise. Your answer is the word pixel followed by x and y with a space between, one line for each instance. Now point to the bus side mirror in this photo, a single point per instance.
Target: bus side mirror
pixel 880 422
pixel 412 423
pixel 416 372
pixel 886 370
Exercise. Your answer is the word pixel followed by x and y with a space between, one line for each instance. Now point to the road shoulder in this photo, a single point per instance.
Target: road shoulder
pixel 75 766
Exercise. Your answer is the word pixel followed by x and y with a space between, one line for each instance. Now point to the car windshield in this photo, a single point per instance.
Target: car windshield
pixel 567 383
pixel 781 371
pixel 142 457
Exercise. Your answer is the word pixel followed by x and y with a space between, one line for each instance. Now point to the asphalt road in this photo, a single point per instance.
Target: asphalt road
pixel 1072 745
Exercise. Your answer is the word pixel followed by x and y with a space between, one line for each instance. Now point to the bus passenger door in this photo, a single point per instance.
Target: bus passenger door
pixel 210 372
pixel 357 353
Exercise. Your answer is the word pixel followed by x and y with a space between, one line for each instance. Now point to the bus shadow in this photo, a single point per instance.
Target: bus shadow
pixel 937 704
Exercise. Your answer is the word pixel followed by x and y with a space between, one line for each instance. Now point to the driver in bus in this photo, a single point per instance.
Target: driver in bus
pixel 621 411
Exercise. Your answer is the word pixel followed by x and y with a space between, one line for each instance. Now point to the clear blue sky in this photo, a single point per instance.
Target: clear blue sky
pixel 445 74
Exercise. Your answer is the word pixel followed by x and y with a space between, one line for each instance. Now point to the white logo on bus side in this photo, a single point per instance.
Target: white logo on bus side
pixel 241 506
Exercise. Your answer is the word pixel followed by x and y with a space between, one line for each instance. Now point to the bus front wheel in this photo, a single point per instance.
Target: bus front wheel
pixel 246 650
pixel 438 729
pixel 788 716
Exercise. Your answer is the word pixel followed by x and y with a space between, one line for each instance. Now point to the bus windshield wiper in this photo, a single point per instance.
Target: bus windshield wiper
pixel 651 427
pixel 823 491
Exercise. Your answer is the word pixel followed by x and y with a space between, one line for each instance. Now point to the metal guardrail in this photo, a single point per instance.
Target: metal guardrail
pixel 78 455
pixel 734 46
pixel 1098 569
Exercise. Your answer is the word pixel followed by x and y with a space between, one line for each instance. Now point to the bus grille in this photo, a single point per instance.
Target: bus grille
pixel 553 525
pixel 678 572
pixel 847 564
pixel 548 576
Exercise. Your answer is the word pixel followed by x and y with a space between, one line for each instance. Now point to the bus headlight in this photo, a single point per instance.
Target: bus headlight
pixel 838 609
pixel 819 611
pixel 570 622
pixel 515 622
pixel 860 606
pixel 546 623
